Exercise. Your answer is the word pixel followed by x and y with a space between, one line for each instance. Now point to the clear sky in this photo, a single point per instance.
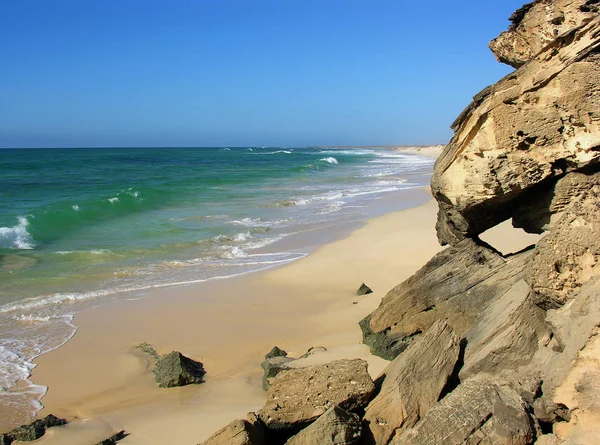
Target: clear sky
pixel 242 72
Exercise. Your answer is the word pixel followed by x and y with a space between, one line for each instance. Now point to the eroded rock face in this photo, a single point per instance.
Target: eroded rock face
pixel 537 24
pixel 454 286
pixel 568 256
pixel 479 411
pixel 507 334
pixel 335 427
pixel 299 396
pixel 413 384
pixel 541 214
pixel 248 431
pixel 519 136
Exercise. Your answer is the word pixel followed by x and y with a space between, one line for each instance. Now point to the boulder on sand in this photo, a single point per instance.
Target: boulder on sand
pixel 364 290
pixel 175 369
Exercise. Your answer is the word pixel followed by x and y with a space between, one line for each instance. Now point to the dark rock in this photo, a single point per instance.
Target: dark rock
pixel 275 352
pixel 454 285
pixel 335 427
pixel 275 361
pixel 33 431
pixel 364 290
pixel 112 440
pixel 175 369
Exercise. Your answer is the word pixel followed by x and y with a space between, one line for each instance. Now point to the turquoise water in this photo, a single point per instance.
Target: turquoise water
pixel 82 226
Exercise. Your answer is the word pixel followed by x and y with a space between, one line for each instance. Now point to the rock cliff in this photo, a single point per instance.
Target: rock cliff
pixel 486 348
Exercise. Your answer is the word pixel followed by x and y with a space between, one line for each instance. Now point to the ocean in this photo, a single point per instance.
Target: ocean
pixel 84 227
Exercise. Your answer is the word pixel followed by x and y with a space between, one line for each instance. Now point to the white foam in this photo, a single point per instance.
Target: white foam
pixel 263 242
pixel 250 222
pixel 75 207
pixel 13 368
pixel 17 237
pixel 235 252
pixel 355 152
pixel 242 236
pixel 113 200
pixel 53 299
pixel 92 252
pixel 332 207
pixel 330 160
pixel 287 152
pixel 32 318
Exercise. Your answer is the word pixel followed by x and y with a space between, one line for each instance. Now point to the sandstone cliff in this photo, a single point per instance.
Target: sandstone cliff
pixel 486 348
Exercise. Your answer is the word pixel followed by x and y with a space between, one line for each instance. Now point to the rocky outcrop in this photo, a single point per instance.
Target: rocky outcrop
pixel 568 256
pixel 520 136
pixel 299 396
pixel 175 369
pixel 335 427
pixel 479 411
pixel 248 431
pixel 454 285
pixel 537 24
pixel 413 383
pixel 33 431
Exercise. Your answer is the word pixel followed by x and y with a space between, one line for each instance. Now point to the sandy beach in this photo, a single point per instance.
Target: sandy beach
pixel 99 382
pixel 102 385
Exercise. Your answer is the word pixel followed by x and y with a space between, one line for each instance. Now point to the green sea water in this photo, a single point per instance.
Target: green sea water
pixel 82 226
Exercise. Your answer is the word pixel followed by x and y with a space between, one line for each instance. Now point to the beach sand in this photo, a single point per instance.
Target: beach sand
pixel 102 384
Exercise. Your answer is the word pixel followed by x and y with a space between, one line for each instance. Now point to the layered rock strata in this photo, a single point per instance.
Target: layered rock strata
pixel 488 348
pixel 519 136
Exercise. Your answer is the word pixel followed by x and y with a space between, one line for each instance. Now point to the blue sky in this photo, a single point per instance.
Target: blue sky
pixel 242 72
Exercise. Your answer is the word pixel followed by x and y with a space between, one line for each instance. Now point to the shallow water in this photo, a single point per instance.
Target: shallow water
pixel 82 227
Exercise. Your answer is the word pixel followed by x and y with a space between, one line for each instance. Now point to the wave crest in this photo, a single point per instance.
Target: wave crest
pixel 17 237
pixel 330 160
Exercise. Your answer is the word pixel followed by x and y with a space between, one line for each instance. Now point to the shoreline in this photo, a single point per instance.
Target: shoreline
pixel 42 320
pixel 106 383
